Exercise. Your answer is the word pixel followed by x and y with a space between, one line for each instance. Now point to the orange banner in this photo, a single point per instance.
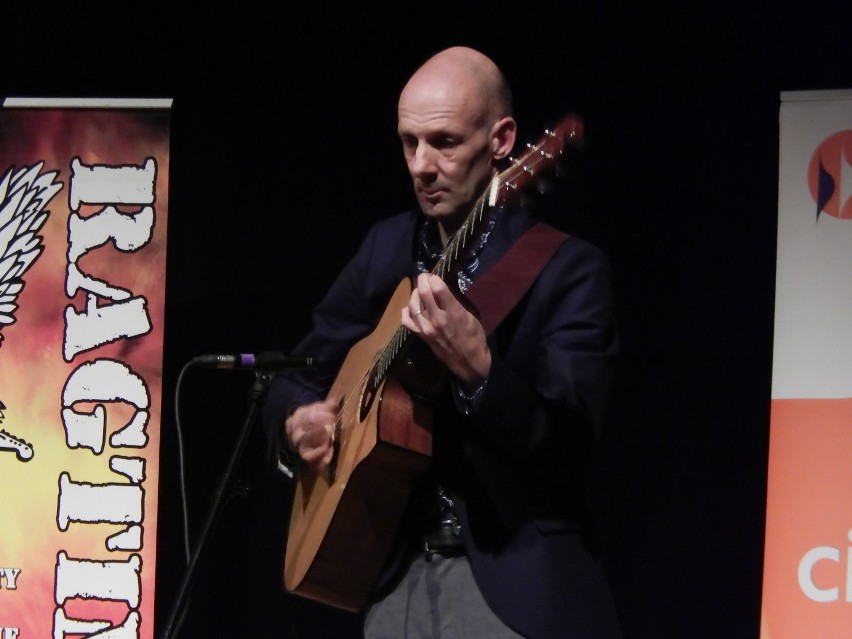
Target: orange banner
pixel 83 210
pixel 807 578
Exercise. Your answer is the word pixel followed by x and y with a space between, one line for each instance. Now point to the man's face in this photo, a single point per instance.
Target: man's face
pixel 447 149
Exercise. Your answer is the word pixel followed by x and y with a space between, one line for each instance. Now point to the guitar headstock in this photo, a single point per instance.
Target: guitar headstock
pixel 570 129
pixel 540 158
pixel 533 165
pixel 553 142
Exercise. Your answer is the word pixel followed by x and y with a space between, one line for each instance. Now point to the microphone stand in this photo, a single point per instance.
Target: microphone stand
pixel 256 395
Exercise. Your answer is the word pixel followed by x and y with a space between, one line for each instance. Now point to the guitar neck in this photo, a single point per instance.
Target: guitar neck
pixel 446 265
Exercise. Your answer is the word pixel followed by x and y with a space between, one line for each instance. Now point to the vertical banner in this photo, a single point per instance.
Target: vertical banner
pixel 807 584
pixel 83 210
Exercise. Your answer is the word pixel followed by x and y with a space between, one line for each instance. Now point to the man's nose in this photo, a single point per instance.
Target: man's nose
pixel 422 161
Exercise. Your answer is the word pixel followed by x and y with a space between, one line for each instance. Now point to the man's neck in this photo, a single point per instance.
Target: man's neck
pixel 448 227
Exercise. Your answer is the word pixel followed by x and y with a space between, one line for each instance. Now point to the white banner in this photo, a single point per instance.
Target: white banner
pixel 807 586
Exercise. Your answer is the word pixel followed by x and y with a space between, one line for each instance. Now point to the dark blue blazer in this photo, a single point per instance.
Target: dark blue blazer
pixel 515 467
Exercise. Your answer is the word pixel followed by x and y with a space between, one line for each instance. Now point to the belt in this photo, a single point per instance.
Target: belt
pixel 445 540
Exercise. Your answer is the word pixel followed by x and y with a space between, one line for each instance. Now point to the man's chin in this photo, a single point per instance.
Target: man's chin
pixel 435 210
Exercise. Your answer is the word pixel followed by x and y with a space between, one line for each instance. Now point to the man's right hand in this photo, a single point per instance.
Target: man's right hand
pixel 310 433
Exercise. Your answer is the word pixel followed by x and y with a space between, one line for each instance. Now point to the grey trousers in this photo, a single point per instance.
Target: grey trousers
pixel 437 599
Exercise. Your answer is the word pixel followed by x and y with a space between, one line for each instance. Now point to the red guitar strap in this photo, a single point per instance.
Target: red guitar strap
pixel 497 291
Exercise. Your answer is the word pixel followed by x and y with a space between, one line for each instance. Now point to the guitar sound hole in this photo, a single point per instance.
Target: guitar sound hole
pixel 367 398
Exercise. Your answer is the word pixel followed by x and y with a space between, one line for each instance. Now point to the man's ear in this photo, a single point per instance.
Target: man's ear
pixel 503 137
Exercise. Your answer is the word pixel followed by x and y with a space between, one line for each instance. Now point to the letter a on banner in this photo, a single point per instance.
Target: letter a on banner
pixel 807 582
pixel 83 212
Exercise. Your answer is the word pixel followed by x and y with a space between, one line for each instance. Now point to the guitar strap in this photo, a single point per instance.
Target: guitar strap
pixel 497 291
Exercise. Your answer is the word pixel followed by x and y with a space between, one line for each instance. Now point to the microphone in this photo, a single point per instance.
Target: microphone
pixel 265 361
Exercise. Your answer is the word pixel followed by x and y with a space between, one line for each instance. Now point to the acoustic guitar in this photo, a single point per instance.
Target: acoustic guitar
pixel 343 522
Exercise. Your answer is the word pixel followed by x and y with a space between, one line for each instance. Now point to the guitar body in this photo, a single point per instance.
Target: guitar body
pixel 342 524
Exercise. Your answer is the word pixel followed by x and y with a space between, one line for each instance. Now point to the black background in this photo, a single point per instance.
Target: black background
pixel 284 151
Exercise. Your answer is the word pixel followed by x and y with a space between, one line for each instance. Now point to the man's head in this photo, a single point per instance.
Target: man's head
pixel 454 121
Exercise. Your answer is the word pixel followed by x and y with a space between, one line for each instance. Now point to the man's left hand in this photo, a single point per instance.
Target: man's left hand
pixel 453 333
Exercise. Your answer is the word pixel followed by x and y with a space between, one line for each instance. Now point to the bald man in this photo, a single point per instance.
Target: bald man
pixel 494 543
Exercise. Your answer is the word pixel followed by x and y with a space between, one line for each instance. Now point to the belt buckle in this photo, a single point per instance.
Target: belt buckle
pixel 447 542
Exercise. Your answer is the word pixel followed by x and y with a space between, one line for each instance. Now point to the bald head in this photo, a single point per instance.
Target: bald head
pixel 455 124
pixel 467 75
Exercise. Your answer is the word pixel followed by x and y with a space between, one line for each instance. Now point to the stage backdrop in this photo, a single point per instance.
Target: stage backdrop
pixel 83 210
pixel 807 589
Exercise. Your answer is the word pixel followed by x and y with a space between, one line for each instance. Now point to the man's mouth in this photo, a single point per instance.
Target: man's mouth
pixel 432 194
